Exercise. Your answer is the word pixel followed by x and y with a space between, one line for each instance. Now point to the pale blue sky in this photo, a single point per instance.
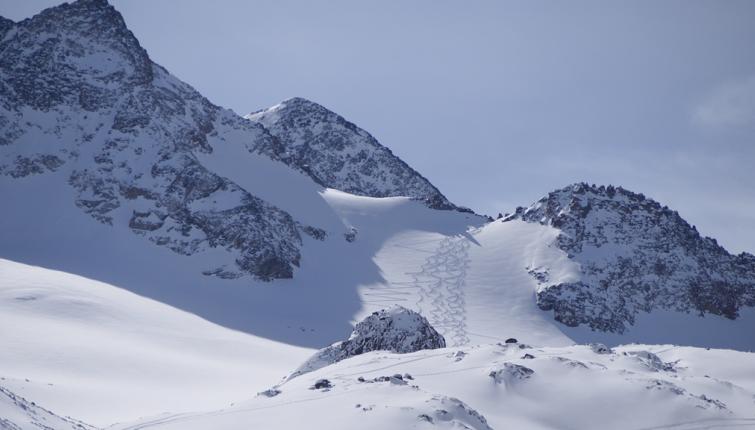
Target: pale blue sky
pixel 498 102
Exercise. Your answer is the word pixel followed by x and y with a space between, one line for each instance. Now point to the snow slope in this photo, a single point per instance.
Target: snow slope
pixel 505 386
pixel 469 278
pixel 17 413
pixel 101 354
pixel 223 253
pixel 330 274
pixel 116 170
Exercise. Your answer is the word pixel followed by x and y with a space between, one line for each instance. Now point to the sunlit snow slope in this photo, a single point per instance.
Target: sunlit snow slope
pixel 505 386
pixel 98 353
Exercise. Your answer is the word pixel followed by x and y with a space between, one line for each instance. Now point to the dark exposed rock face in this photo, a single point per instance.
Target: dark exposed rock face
pixel 78 94
pixel 396 329
pixel 635 256
pixel 80 98
pixel 338 154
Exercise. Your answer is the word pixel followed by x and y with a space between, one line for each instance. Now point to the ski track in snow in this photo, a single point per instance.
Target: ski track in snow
pixel 437 287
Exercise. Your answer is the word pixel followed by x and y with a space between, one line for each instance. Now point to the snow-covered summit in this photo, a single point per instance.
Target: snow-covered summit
pixel 139 147
pixel 634 255
pixel 338 154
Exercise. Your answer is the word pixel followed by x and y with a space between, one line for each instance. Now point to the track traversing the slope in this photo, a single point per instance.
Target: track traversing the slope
pixel 436 290
pixel 441 286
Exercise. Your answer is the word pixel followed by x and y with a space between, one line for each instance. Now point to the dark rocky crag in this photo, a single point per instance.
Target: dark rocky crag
pixel 396 329
pixel 635 256
pixel 336 153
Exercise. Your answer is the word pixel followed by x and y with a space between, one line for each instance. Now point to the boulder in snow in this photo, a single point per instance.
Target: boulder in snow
pixel 396 329
pixel 511 372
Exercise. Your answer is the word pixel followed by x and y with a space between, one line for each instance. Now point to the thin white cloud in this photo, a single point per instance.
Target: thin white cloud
pixel 729 104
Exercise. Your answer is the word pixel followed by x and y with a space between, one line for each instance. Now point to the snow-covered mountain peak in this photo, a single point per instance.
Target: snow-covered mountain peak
pixel 296 109
pixel 338 154
pixel 87 45
pixel 125 136
pixel 575 200
pixel 137 145
pixel 634 255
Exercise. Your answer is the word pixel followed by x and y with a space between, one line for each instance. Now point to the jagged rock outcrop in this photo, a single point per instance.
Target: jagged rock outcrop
pixel 338 154
pixel 635 256
pixel 511 373
pixel 396 329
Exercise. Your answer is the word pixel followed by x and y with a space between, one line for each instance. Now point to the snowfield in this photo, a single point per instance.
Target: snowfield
pixel 505 386
pixel 101 354
pixel 104 355
pixel 167 263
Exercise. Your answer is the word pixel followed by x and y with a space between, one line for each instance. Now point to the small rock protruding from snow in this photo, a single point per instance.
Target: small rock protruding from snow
pixel 651 361
pixel 351 234
pixel 396 329
pixel 511 372
pixel 599 348
pixel 511 340
pixel 321 384
pixel 453 413
pixel 272 392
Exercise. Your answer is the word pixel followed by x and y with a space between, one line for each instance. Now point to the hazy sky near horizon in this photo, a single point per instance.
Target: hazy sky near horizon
pixel 498 102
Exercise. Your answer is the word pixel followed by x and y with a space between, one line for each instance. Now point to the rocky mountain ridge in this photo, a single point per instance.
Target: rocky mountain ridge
pixel 81 97
pixel 635 256
pixel 338 154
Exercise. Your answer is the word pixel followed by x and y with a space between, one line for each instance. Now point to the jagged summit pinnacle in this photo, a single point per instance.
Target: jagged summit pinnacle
pixel 82 48
pixel 299 111
pixel 87 17
pixel 338 154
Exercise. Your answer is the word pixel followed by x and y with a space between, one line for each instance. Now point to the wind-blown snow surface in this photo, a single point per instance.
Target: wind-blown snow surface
pixel 505 386
pixel 95 352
